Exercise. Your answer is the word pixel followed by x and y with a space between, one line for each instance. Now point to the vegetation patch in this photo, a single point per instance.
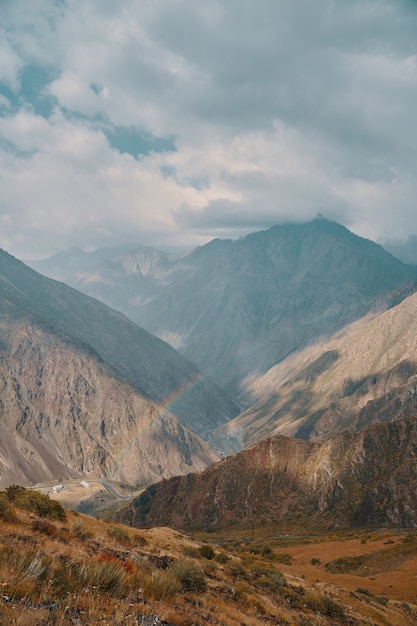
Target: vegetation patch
pixel 35 501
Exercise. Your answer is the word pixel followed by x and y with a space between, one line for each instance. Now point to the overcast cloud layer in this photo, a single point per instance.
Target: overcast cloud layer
pixel 175 121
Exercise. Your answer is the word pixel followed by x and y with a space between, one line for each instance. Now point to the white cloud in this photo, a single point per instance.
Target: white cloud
pixel 278 111
pixel 10 63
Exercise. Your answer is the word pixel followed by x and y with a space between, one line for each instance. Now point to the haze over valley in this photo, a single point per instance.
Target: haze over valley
pixel 308 328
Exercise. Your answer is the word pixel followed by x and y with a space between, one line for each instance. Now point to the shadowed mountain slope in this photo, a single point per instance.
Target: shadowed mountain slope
pixel 149 365
pixel 347 480
pixel 64 414
pixel 366 372
pixel 236 308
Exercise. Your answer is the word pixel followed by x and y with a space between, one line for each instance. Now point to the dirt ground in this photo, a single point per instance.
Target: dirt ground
pixel 399 583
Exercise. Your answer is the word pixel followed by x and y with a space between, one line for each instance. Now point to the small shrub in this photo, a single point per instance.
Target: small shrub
pixel 207 552
pixel 221 558
pixel 81 532
pixel 235 569
pixel 283 558
pixel 242 588
pixel 191 551
pixel 35 501
pixel 7 513
pixel 102 575
pixel 189 574
pixel 315 561
pixel 30 565
pixel 139 540
pixel 42 526
pixel 363 591
pixel 333 608
pixel 325 605
pixel 162 585
pixel 119 534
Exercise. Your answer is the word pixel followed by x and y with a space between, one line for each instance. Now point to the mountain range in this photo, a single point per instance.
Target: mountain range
pixel 82 385
pixel 308 327
pixel 237 308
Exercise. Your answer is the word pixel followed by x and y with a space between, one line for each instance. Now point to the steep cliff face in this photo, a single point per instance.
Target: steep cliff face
pixel 350 479
pixel 63 414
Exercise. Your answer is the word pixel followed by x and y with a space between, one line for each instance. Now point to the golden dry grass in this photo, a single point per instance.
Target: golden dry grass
pixel 86 571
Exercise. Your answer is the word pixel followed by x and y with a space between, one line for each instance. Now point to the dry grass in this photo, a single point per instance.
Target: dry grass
pixel 85 571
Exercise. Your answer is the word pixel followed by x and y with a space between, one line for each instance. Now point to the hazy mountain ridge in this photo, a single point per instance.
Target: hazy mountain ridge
pixel 346 480
pixel 364 373
pixel 239 307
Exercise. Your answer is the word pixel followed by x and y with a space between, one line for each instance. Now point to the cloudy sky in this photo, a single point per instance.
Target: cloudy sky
pixel 172 122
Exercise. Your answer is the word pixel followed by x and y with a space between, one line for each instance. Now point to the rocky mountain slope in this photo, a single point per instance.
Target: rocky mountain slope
pixel 64 413
pixel 366 372
pixel 236 308
pixel 347 480
pixel 149 365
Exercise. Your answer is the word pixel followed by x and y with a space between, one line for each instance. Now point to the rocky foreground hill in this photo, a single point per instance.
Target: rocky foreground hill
pixel 347 480
pixel 59 567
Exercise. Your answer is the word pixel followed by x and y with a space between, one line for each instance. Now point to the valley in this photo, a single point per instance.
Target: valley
pixel 283 480
pixel 60 566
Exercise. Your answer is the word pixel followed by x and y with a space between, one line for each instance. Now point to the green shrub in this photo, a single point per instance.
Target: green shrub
pixel 139 540
pixel 315 561
pixel 42 526
pixel 7 513
pixel 189 574
pixel 36 502
pixel 101 575
pixel 363 591
pixel 31 565
pixel 207 552
pixel 324 605
pixel 119 534
pixel 221 558
pixel 81 532
pixel 283 558
pixel 162 585
pixel 235 569
pixel 191 551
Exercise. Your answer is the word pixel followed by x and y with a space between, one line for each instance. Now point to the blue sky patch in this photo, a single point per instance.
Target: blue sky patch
pixel 137 142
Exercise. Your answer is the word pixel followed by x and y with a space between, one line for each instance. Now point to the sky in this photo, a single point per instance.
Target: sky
pixel 172 122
